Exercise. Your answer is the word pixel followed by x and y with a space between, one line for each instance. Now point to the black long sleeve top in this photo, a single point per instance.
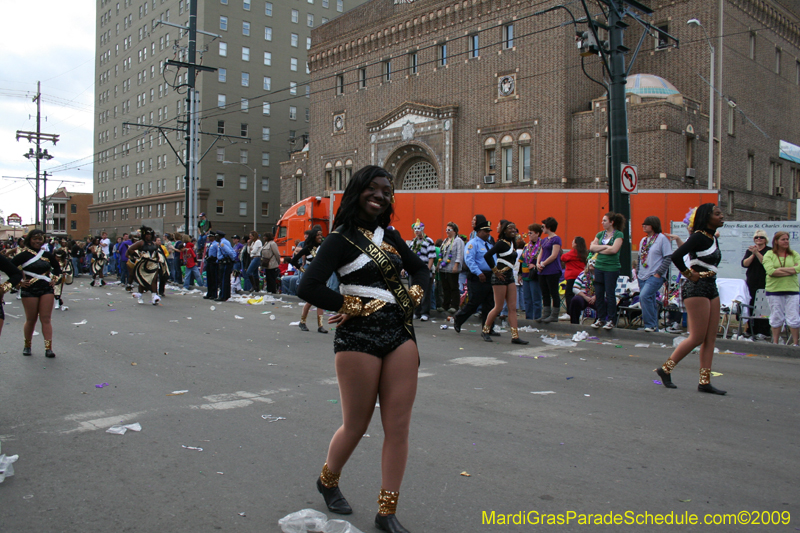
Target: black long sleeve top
pixel 336 252
pixel 308 251
pixel 697 242
pixel 500 248
pixel 45 266
pixel 10 269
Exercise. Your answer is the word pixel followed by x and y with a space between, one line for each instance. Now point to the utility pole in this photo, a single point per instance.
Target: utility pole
pixel 613 54
pixel 37 137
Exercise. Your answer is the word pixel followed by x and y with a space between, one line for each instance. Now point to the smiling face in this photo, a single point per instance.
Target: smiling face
pixel 511 232
pixel 717 219
pixel 375 198
pixel 37 241
pixel 318 238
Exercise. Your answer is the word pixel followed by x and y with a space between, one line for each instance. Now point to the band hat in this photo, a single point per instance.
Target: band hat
pixel 760 233
pixel 482 224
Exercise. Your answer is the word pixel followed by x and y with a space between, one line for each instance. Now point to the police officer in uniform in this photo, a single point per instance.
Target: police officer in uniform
pixel 211 267
pixel 479 277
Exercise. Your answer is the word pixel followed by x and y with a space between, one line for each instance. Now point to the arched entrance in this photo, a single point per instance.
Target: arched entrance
pixel 414 168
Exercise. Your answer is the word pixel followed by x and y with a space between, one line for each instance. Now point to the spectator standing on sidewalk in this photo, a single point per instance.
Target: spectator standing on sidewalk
pixel 424 248
pixel 757 279
pixel 192 268
pixel 606 246
pixel 450 268
pixel 574 263
pixel 655 255
pixel 782 265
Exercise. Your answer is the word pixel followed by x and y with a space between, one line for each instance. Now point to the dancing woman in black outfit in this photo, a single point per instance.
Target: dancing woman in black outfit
pixel 376 351
pixel 40 272
pixel 700 294
pixel 502 278
pixel 14 277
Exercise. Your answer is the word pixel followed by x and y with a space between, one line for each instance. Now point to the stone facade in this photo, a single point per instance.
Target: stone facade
pixel 488 94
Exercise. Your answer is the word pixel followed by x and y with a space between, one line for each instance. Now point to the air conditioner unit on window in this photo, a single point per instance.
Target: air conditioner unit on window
pixel 326 194
pixel 691 173
pixel 488 179
pixel 779 191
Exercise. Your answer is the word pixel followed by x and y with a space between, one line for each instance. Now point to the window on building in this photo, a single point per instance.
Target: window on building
pixel 298 188
pixel 242 183
pixel 525 163
pixel 771 179
pixel 267 33
pixel 362 78
pixel 731 119
pixel 267 83
pixel 751 164
pixel 508 35
pixel 777 60
pixel 243 130
pixel 443 54
pixel 308 114
pixel 243 157
pixel 752 45
pixel 293 64
pixel 264 159
pixel 220 180
pixel 268 9
pixel 474 45
pixel 222 75
pixel 246 29
pixel 223 23
pixel 245 79
pixel 662 40
pixel 310 20
pixel 220 154
pixel 731 200
pixel 264 209
pixel 413 62
pixel 242 209
pixel 295 39
pixel 490 157
pixel 264 133
pixel 245 53
pixel 797 72
pixel 295 16
pixel 340 84
pixel 308 43
pixel 292 112
pixel 508 169
pixel 245 105
pixel 220 207
pixel 223 49
pixel 265 108
pixel 221 100
pixel 73 225
pixel 292 87
pixel 340 5
pixel 246 5
pixel 387 70
pixel 268 58
pixel 264 184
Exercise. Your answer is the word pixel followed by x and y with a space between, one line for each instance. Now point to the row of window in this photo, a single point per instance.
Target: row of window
pixel 243 181
pixel 389 67
pixel 244 156
pixel 223 26
pixel 160 211
pixel 266 107
pixel 778 58
pixel 246 5
pixel 778 183
pixel 506 161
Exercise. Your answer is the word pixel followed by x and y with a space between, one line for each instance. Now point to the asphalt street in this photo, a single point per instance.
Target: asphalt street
pixel 497 428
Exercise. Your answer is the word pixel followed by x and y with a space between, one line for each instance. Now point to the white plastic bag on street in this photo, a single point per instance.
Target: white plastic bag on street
pixel 556 342
pixel 311 521
pixel 6 466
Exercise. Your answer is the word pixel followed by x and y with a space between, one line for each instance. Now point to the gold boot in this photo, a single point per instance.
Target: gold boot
pixel 386 520
pixel 328 486
pixel 27 349
pixel 48 348
pixel 303 326
pixel 320 327
pixel 705 383
pixel 515 337
pixel 664 372
pixel 485 333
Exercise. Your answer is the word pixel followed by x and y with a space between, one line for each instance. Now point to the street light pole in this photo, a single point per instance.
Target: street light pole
pixel 696 22
pixel 254 187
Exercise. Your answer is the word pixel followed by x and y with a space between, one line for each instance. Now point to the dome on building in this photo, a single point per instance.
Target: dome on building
pixel 650 86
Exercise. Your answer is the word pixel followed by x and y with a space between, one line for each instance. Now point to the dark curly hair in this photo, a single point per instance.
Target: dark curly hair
pixel 348 210
pixel 31 234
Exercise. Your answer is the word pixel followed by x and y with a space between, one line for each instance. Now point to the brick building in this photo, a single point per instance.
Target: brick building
pixel 490 94
pixel 68 214
pixel 259 91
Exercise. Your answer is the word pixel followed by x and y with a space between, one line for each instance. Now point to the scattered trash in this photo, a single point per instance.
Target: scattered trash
pixel 237 317
pixel 242 514
pixel 443 326
pixel 272 317
pixel 571 377
pixel 655 381
pixel 556 342
pixel 580 336
pixel 528 329
pixel 266 312
pixel 365 435
pixel 6 466
pixel 543 392
pixel 464 473
pixel 271 418
pixel 177 392
pixel 213 307
pixel 27 497
pixel 586 395
pixel 684 501
pixel 191 448
pixel 121 430
pixel 133 364
pixel 642 346
pixel 334 401
pixel 35 333
pixel 102 385
pixel 221 473
pixel 716 374
pixel 82 322
pixel 294 323
pixel 256 301
pixel 309 520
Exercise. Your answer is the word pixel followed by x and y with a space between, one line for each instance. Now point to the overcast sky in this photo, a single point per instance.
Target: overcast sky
pixel 52 42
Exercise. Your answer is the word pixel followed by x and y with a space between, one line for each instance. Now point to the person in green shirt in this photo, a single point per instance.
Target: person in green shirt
pixel 606 246
pixel 783 291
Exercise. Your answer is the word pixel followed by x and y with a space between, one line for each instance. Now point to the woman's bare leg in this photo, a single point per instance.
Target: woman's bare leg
pixel 499 298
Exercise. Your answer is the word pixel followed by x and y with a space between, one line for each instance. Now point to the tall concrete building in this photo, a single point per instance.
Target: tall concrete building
pixel 260 91
pixel 490 94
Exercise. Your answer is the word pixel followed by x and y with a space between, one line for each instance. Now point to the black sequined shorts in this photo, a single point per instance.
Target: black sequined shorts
pixel 2 312
pixel 508 278
pixel 40 288
pixel 378 334
pixel 704 288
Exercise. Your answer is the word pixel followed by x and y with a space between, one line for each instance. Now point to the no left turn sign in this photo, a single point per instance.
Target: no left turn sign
pixel 630 179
